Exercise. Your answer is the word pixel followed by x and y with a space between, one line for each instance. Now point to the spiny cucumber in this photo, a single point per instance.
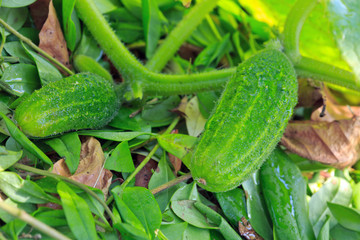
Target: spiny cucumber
pixel 247 123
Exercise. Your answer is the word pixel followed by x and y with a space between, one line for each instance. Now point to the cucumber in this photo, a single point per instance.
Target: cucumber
pixel 80 101
pixel 247 122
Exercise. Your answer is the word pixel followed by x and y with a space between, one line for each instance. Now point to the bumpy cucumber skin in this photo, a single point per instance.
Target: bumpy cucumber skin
pixel 77 102
pixel 247 123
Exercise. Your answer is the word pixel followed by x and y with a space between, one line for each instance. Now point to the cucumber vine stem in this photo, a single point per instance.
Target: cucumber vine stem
pixel 179 34
pixel 39 50
pixel 293 26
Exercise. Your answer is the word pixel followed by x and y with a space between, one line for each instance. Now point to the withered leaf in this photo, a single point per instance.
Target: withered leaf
pixel 39 12
pixel 91 169
pixel 335 143
pixel 143 177
pixel 309 94
pixel 52 39
pixel 195 122
pixel 247 231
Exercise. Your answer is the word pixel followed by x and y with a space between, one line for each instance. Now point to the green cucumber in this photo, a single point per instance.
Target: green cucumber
pixel 77 102
pixel 247 123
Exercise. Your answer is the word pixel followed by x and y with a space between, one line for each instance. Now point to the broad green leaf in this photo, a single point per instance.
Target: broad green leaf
pixel 19 79
pixel 129 232
pixel 159 114
pixel 187 192
pixel 113 135
pixel 120 159
pixel 174 231
pixel 15 49
pixel 348 217
pixel 47 72
pixel 88 46
pixel 324 233
pixel 133 6
pixel 77 212
pixel 15 17
pixel 151 24
pixel 356 196
pixel 123 120
pixel 256 208
pixel 68 146
pixel 345 18
pixel 162 175
pixel 52 217
pixel 338 232
pixel 94 205
pixel 8 158
pixel 24 141
pixel 233 205
pixel 225 229
pixel 178 145
pixel 68 23
pixel 105 6
pixel 194 233
pixel 316 39
pixel 186 210
pixel 24 191
pixel 334 190
pixel 143 204
pixel 16 3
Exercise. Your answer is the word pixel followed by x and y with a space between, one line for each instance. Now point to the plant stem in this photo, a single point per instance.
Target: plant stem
pixel 171 183
pixel 31 44
pixel 179 34
pixel 68 180
pixel 24 216
pixel 310 68
pixel 293 25
pixel 148 157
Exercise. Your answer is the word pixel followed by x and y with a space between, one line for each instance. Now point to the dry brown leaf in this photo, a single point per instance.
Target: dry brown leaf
pixel 52 39
pixel 143 177
pixel 39 12
pixel 335 143
pixel 91 169
pixel 247 231
pixel 309 94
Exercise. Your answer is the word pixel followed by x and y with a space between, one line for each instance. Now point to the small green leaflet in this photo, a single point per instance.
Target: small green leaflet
pixel 120 159
pixel 8 158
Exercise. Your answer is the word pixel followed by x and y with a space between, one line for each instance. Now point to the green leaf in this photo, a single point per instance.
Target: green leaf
pixel 8 158
pixel 345 18
pixel 113 135
pixel 178 145
pixel 356 196
pixel 24 141
pixel 123 120
pixel 334 190
pixel 68 23
pixel 52 217
pixel 324 233
pixel 15 17
pixel 207 101
pixel 16 3
pixel 47 72
pixel 88 46
pixel 15 49
pixel 129 232
pixel 348 217
pixel 94 205
pixel 162 175
pixel 340 233
pixel 7 217
pixel 68 146
pixel 174 231
pixel 19 79
pixel 187 192
pixel 152 25
pixel 105 6
pixel 143 204
pixel 256 208
pixel 186 210
pixel 24 191
pixel 233 205
pixel 120 159
pixel 77 212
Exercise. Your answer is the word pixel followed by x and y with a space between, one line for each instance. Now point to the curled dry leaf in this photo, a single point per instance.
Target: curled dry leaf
pixel 143 177
pixel 247 231
pixel 52 39
pixel 335 143
pixel 91 169
pixel 39 12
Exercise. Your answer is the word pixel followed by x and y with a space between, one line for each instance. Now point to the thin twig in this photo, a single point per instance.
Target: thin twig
pixel 171 183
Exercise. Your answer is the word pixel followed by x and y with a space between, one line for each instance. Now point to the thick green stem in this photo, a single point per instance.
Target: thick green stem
pixel 68 180
pixel 310 68
pixel 24 216
pixel 39 50
pixel 293 25
pixel 179 34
